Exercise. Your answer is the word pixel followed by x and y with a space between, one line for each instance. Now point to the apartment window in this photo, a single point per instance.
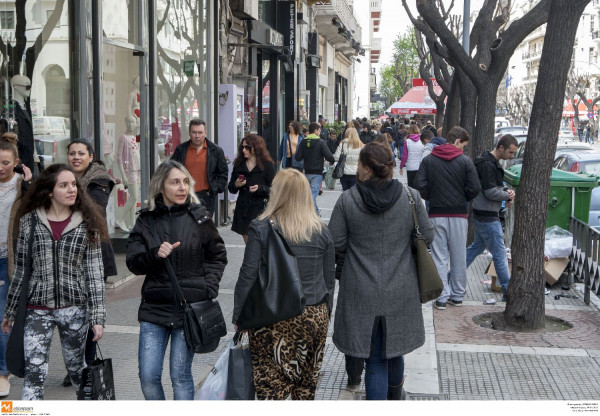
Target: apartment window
pixel 7 19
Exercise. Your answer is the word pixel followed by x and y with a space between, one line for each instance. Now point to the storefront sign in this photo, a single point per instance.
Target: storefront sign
pixel 287 25
pixel 188 68
pixel 419 82
pixel 274 38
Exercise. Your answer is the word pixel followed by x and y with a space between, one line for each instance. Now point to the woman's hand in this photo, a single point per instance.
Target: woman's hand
pixel 166 249
pixel 6 326
pixel 401 171
pixel 98 332
pixel 253 188
pixel 239 184
pixel 27 172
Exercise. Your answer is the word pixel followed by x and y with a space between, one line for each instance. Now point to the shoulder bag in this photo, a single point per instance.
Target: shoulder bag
pixel 203 322
pixel 277 294
pixel 430 284
pixel 338 171
pixel 15 350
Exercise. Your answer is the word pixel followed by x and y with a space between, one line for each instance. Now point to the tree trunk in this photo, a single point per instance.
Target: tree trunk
pixel 468 106
pixel 525 307
pixel 486 110
pixel 452 114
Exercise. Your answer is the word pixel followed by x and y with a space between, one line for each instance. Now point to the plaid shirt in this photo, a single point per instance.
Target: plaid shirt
pixel 66 272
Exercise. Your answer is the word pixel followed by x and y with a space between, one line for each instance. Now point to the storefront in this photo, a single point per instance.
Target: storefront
pixel 127 75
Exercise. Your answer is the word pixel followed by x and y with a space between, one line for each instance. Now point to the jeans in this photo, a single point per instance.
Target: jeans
pixel 381 372
pixel 347 181
pixel 4 285
pixel 153 344
pixel 315 184
pixel 489 235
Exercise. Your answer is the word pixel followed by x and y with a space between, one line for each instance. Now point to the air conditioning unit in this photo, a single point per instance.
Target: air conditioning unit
pixel 244 9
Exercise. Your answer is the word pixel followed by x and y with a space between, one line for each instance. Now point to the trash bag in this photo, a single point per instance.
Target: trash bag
pixel 559 243
pixel 215 385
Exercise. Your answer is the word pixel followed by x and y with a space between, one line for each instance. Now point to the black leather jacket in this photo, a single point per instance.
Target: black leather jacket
pixel 316 264
pixel 198 262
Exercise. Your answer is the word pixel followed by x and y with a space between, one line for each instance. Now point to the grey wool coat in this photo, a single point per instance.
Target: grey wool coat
pixel 378 278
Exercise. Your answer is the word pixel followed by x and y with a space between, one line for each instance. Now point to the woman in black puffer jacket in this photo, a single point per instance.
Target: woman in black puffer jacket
pixel 189 240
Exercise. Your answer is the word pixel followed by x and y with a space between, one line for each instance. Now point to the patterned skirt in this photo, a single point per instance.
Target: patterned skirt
pixel 287 356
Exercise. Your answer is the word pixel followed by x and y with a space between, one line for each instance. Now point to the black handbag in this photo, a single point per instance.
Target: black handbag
pixel 338 171
pixel 203 322
pixel 277 294
pixel 240 385
pixel 15 349
pixel 430 284
pixel 97 380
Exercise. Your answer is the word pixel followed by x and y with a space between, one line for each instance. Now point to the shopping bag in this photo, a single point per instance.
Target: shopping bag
pixel 122 195
pixel 97 381
pixel 215 385
pixel 239 381
pixel 329 180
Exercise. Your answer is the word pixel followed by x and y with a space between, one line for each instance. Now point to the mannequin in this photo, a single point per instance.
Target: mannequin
pixel 21 87
pixel 128 160
pixel 133 105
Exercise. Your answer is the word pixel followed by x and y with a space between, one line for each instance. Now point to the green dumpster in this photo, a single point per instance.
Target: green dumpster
pixel 570 194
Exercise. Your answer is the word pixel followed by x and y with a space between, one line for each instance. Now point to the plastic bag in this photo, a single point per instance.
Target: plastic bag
pixel 329 181
pixel 559 243
pixel 215 385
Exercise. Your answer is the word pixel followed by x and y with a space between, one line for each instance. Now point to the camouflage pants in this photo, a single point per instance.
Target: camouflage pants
pixel 72 323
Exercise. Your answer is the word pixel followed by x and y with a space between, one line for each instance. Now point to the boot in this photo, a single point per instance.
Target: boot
pixel 396 392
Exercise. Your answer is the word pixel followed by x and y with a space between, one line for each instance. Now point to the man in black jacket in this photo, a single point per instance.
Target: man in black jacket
pixel 206 163
pixel 312 150
pixel 448 180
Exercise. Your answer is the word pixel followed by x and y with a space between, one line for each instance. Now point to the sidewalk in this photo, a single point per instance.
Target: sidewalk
pixel 459 361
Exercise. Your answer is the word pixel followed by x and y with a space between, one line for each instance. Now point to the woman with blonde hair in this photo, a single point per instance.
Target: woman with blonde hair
pixel 189 240
pixel 287 355
pixel 350 147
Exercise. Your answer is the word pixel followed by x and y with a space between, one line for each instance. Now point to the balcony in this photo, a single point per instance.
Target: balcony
pixel 344 31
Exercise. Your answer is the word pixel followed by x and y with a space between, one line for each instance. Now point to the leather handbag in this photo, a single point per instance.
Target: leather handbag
pixel 203 322
pixel 277 294
pixel 15 350
pixel 338 170
pixel 430 284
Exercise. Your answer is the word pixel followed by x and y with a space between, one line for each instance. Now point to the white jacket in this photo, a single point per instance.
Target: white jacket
pixel 351 157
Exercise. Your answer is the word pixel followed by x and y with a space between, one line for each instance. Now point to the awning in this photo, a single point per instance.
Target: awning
pixel 415 101
pixel 569 111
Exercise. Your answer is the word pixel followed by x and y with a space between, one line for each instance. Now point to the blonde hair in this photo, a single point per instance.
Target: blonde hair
pixel 351 137
pixel 157 183
pixel 291 206
pixel 414 129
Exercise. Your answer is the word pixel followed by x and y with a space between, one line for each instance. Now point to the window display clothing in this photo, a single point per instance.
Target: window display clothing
pixel 250 204
pixel 25 133
pixel 128 157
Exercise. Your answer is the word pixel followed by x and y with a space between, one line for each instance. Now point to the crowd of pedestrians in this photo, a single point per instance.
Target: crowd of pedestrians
pixel 57 233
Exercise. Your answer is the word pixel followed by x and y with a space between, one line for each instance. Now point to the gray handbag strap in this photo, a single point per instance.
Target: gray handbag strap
pixel 411 200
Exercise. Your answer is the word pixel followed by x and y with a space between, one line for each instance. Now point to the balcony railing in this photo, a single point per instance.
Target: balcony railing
pixel 343 11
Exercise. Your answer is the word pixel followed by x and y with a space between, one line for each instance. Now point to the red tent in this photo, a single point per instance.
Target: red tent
pixel 569 111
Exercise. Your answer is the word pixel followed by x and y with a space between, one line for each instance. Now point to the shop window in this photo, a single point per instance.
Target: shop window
pixel 35 79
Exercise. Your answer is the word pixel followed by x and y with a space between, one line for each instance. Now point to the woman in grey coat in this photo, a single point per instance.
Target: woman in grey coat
pixel 378 315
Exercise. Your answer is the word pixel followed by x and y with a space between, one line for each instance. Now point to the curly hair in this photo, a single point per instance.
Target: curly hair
pixel 296 126
pixel 259 147
pixel 38 196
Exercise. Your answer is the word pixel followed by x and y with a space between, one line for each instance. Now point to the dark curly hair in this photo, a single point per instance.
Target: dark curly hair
pixel 379 158
pixel 296 126
pixel 39 196
pixel 260 151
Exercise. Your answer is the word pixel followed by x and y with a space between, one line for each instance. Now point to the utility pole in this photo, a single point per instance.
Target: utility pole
pixel 466 25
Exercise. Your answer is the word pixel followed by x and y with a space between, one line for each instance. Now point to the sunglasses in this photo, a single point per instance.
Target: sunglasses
pixel 245 146
pixel 27 87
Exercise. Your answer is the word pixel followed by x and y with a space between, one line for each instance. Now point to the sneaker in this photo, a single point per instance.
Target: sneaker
pixel 4 386
pixel 439 305
pixel 353 383
pixel 504 298
pixel 455 302
pixel 67 381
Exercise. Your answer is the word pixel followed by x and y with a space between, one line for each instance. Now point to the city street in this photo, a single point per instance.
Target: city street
pixel 459 361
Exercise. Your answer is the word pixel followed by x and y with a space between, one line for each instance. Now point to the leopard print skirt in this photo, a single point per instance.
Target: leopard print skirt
pixel 287 356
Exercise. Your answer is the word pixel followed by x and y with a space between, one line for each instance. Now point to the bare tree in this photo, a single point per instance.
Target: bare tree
pixel 526 305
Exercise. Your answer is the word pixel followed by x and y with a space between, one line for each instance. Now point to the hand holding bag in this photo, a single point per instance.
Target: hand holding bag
pixel 15 349
pixel 338 170
pixel 430 284
pixel 97 380
pixel 203 322
pixel 240 385
pixel 277 294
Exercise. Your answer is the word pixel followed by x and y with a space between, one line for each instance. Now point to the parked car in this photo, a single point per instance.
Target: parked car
pixel 561 147
pixel 514 130
pixel 566 134
pixel 594 218
pixel 586 162
pixel 51 136
pixel 501 122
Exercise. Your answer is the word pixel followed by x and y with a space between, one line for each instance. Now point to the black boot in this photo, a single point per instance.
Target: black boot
pixel 396 392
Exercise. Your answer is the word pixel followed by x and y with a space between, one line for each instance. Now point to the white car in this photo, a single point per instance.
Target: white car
pixel 565 134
